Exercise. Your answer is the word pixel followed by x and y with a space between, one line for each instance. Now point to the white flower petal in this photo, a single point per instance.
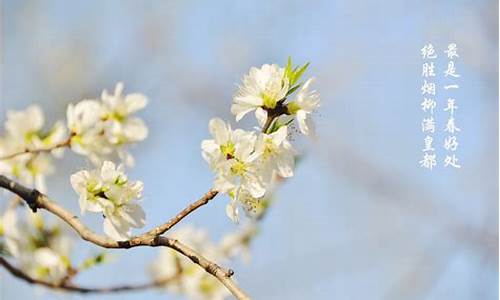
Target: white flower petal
pixel 280 135
pixel 135 130
pixel 223 184
pixel 250 100
pixel 301 119
pixel 83 116
pixel 135 102
pixel 119 89
pixel 253 185
pixel 219 130
pixel 232 211
pixel 126 157
pixel 119 233
pixel 261 116
pixel 108 171
pixel 240 110
pixel 134 215
pixel 285 164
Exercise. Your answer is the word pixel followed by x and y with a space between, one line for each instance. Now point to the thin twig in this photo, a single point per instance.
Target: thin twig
pixel 186 211
pixel 36 200
pixel 64 144
pixel 84 290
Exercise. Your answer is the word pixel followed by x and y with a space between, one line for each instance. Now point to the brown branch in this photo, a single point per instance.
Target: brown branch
pixel 186 211
pixel 273 113
pixel 36 200
pixel 64 144
pixel 64 286
pixel 268 123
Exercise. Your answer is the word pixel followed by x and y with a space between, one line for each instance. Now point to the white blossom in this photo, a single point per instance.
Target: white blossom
pixel 84 122
pixel 48 264
pixel 107 190
pixel 25 123
pixel 119 126
pixel 222 146
pixel 231 155
pixel 245 164
pixel 306 102
pixel 28 168
pixel 253 207
pixel 262 88
pixel 276 153
pixel 267 89
pixel 240 172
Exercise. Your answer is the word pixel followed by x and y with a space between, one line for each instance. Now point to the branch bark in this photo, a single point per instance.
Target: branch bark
pixel 186 211
pixel 152 238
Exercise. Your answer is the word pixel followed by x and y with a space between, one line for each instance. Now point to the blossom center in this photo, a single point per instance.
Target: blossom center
pixel 269 148
pixel 228 150
pixel 116 116
pixel 269 100
pixel 238 168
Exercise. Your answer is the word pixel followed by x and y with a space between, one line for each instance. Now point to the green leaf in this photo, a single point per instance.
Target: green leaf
pixel 293 74
pixel 298 73
pixel 288 69
pixel 293 89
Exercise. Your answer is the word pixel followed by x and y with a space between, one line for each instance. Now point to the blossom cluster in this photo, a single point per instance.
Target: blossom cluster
pixel 266 90
pixel 102 127
pixel 42 250
pixel 246 163
pixel 24 130
pixel 95 128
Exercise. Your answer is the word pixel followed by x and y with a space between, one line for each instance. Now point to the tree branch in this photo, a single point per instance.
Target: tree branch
pixel 36 200
pixel 186 211
pixel 84 290
pixel 64 144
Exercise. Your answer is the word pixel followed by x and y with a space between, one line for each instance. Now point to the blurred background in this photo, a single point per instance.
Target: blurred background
pixel 360 219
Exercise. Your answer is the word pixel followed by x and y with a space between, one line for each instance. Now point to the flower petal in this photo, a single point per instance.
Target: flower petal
pixel 232 211
pixel 219 130
pixel 119 233
pixel 134 215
